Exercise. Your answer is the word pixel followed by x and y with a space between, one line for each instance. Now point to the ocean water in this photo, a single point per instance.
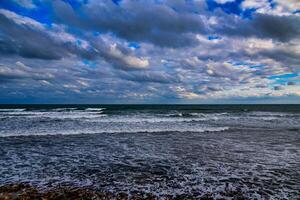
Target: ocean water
pixel 157 149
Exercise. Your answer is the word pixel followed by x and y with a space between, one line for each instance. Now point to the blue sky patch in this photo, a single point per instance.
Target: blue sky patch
pixel 134 45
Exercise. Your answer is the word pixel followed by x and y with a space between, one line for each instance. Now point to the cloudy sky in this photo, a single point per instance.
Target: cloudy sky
pixel 150 51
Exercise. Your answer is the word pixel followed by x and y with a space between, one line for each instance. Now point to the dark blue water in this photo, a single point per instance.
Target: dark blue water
pixel 159 149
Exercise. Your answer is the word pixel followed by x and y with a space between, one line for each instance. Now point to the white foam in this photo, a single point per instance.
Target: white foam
pixel 12 110
pixel 74 114
pixel 136 119
pixel 269 118
pixel 63 109
pixel 274 114
pixel 115 131
pixel 94 109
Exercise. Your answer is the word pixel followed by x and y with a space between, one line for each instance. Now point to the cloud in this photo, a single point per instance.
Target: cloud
pixel 31 39
pixel 275 7
pixel 285 57
pixel 126 61
pixel 226 70
pixel 261 26
pixel 260 6
pixel 21 71
pixel 137 21
pixel 28 38
pixel 183 51
pixel 224 1
pixel 290 5
pixel 150 76
pixel 26 3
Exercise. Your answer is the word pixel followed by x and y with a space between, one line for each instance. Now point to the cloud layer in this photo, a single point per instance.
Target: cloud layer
pixel 149 51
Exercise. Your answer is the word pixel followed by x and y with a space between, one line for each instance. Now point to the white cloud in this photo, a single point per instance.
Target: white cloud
pixel 182 93
pixel 224 1
pixel 289 5
pixel 280 7
pixel 128 60
pixel 21 20
pixel 26 3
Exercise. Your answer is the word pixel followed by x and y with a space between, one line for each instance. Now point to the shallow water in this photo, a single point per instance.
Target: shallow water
pixel 156 149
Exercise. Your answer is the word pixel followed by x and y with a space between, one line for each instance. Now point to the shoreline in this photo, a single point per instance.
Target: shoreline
pixel 24 191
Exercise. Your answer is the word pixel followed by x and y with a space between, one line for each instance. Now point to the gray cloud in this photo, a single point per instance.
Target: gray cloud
pixel 136 21
pixel 150 76
pixel 21 71
pixel 26 42
pixel 284 56
pixel 281 28
pixel 30 39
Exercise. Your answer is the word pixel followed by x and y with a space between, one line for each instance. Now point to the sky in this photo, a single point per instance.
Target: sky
pixel 150 51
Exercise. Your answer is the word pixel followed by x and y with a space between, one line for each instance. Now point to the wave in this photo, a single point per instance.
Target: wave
pixel 209 114
pixel 91 113
pixel 192 114
pixel 272 114
pixel 97 115
pixel 94 109
pixel 12 110
pixel 63 109
pixel 83 117
pixel 146 120
pixel 51 110
pixel 133 131
pixel 57 113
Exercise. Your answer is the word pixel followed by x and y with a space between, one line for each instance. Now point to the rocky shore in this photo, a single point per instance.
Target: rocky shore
pixel 29 192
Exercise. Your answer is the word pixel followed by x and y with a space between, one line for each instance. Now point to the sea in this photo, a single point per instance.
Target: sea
pixel 156 149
